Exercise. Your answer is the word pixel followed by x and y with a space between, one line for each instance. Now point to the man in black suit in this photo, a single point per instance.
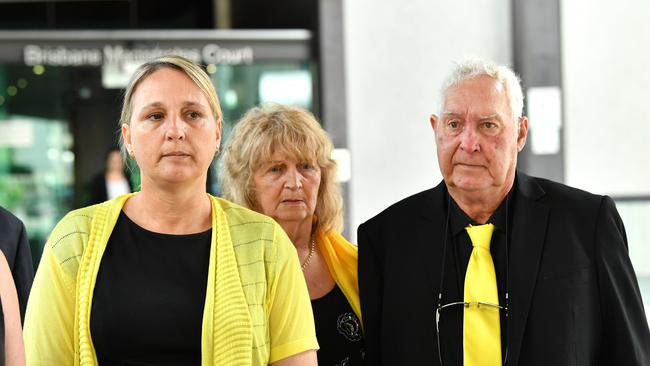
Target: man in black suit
pixel 566 287
pixel 15 246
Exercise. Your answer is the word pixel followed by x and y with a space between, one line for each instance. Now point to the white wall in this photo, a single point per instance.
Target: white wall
pixel 606 61
pixel 397 53
pixel 606 57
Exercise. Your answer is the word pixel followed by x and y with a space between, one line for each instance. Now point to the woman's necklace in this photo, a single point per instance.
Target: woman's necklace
pixel 312 248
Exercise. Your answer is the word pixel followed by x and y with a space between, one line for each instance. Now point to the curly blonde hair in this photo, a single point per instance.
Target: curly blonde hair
pixel 269 128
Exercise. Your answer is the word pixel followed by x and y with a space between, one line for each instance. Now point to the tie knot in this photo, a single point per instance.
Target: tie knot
pixel 480 235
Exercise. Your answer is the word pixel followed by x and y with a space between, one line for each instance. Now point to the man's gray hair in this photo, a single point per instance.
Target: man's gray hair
pixel 472 67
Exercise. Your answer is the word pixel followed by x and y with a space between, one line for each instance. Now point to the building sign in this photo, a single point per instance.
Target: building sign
pixel 121 49
pixel 119 62
pixel 118 55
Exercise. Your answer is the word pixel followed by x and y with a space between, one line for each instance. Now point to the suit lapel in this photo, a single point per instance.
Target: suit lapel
pixel 431 234
pixel 530 218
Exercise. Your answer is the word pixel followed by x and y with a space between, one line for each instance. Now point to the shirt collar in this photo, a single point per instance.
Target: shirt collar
pixel 459 219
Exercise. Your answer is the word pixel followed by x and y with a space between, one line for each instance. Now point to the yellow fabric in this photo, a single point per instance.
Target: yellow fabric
pixel 481 324
pixel 341 257
pixel 257 308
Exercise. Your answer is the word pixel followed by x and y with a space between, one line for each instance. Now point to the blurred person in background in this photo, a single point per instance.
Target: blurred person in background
pixel 15 247
pixel 114 181
pixel 493 266
pixel 169 275
pixel 12 350
pixel 278 162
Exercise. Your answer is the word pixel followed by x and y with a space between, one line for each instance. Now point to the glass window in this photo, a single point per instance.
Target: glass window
pixel 59 120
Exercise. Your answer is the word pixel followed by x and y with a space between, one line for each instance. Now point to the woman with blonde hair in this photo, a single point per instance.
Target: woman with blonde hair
pixel 169 275
pixel 278 162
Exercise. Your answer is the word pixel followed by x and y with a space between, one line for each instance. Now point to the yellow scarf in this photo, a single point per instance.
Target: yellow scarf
pixel 341 257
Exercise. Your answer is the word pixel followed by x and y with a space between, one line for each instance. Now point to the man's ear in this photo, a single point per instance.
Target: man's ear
pixel 434 122
pixel 522 132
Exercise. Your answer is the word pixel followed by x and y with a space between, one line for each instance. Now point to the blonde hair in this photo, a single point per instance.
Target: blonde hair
pixel 272 127
pixel 191 69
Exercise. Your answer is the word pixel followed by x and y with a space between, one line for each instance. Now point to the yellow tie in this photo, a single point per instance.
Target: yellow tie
pixel 481 328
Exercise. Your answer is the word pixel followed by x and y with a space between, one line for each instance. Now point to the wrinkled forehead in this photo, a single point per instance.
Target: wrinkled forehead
pixel 481 95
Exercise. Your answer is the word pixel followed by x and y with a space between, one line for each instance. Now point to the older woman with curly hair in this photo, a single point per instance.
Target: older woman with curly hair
pixel 278 162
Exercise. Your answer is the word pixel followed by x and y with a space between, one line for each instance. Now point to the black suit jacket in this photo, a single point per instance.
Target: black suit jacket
pixel 15 246
pixel 574 297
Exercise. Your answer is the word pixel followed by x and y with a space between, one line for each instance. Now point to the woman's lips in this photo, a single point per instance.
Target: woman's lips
pixel 176 154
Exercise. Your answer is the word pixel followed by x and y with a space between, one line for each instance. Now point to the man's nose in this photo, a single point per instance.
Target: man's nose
pixel 469 140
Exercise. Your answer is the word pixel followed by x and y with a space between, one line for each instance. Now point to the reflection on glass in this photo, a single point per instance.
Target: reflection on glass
pixel 36 173
pixel 286 87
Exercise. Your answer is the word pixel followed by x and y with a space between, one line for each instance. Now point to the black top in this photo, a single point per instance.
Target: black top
pixel 338 330
pixel 459 250
pixel 15 246
pixel 149 296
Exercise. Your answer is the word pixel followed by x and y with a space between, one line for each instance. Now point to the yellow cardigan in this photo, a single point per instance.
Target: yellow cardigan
pixel 341 257
pixel 257 308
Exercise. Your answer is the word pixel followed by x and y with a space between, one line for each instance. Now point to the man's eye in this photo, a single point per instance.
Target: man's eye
pixel 453 124
pixel 489 125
